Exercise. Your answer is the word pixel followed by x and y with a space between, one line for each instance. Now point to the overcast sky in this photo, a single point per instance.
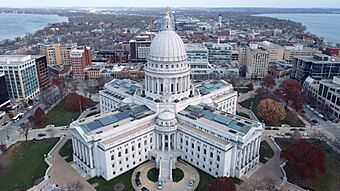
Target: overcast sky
pixel 171 3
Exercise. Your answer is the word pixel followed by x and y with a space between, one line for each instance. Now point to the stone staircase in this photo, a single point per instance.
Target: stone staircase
pixel 165 170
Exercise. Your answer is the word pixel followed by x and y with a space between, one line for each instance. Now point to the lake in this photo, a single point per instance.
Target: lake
pixel 18 25
pixel 323 25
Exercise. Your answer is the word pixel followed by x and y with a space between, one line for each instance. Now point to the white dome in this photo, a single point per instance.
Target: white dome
pixel 128 100
pixel 167 46
pixel 166 116
pixel 207 101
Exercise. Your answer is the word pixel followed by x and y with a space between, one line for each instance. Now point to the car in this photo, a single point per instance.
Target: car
pixel 275 128
pixel 17 117
pixel 20 115
pixel 191 182
pixel 145 189
pixel 38 138
pixel 302 111
pixel 285 126
pixel 160 185
pixel 293 129
pixel 138 174
pixel 29 108
pixel 41 135
pixel 302 129
pixel 268 128
pixel 315 121
pixel 138 182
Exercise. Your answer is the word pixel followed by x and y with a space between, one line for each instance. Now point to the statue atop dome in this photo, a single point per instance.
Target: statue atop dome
pixel 167 20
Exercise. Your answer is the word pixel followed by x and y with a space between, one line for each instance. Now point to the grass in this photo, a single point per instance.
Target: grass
pixel 67 151
pixel 326 181
pixel 104 185
pixel 177 175
pixel 242 90
pixel 291 119
pixel 25 164
pixel 205 180
pixel 153 174
pixel 243 115
pixel 266 152
pixel 93 113
pixel 59 116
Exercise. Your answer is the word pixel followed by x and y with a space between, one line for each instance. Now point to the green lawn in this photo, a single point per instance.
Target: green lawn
pixel 25 164
pixel 59 116
pixel 177 175
pixel 243 115
pixel 67 150
pixel 205 180
pixel 265 152
pixel 327 181
pixel 153 174
pixel 104 185
pixel 291 119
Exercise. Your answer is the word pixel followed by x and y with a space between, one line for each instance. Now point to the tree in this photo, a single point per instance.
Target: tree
pixel 75 102
pixel 10 115
pixel 24 129
pixel 61 85
pixel 305 159
pixel 222 184
pixel 39 116
pixel 271 111
pixel 290 91
pixel 250 86
pixel 75 186
pixel 268 82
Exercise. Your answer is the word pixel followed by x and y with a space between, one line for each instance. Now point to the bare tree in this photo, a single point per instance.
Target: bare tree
pixel 24 129
pixel 75 186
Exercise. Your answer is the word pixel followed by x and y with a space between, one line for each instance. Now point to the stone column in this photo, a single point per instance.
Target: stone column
pixel 91 157
pixel 74 146
pixel 163 142
pixel 244 151
pixel 169 142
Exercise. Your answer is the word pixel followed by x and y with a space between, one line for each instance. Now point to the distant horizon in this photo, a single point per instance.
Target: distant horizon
pixel 327 4
pixel 219 7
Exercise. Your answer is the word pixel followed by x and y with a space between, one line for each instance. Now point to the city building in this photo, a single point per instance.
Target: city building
pixel 4 97
pixel 310 88
pixel 108 54
pixel 121 56
pixel 165 119
pixel 330 51
pixel 80 60
pixel 219 52
pixel 279 70
pixel 318 66
pixel 257 62
pixel 275 51
pixel 220 20
pixel 298 50
pixel 329 96
pixel 58 54
pixel 197 55
pixel 42 70
pixel 21 76
pixel 140 47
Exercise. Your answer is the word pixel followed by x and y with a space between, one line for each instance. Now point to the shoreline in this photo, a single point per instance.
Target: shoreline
pixel 327 39
pixel 59 19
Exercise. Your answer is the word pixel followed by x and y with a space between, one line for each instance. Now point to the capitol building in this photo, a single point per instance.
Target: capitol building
pixel 166 119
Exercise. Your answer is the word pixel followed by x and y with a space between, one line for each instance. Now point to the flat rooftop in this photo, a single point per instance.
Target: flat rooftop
pixel 14 59
pixel 102 122
pixel 211 86
pixel 195 46
pixel 220 120
pixel 128 87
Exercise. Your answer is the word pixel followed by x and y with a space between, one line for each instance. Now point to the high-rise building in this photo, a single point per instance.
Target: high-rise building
pixel 198 59
pixel 166 119
pixel 257 62
pixel 220 20
pixel 21 76
pixel 4 97
pixel 318 67
pixel 275 51
pixel 58 54
pixel 219 52
pixel 140 47
pixel 42 70
pixel 298 50
pixel 80 60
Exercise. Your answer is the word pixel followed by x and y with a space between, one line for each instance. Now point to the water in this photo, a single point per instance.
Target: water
pixel 18 25
pixel 323 25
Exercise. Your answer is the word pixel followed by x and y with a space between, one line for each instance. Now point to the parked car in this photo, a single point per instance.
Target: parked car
pixel 302 129
pixel 18 116
pixel 145 189
pixel 191 182
pixel 275 128
pixel 138 182
pixel 160 185
pixel 138 174
pixel 41 135
pixel 315 121
pixel 293 129
pixel 29 108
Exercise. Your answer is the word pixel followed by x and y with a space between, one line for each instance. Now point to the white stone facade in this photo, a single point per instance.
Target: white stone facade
pixel 137 123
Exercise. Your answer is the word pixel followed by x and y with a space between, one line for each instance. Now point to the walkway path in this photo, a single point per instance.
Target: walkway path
pixel 190 173
pixel 61 173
